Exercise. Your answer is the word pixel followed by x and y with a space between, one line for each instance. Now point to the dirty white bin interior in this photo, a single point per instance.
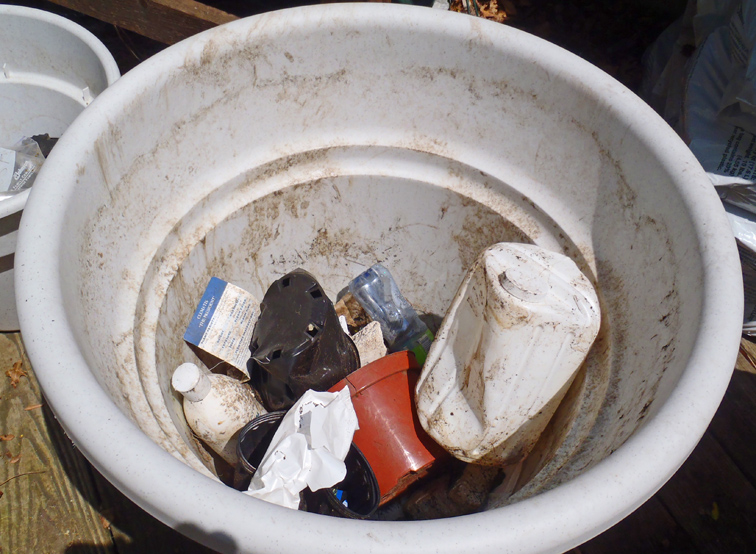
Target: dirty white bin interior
pixel 50 70
pixel 335 136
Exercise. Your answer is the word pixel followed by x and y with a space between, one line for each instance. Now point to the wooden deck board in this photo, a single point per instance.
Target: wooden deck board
pixel 713 501
pixel 44 512
pixel 649 529
pixel 734 426
pixel 135 531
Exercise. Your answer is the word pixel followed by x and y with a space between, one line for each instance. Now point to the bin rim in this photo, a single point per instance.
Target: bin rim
pixel 112 73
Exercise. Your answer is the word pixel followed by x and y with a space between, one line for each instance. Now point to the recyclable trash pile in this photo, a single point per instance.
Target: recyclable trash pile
pixel 355 409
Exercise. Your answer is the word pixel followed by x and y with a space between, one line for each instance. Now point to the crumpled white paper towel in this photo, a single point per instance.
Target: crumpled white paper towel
pixel 308 448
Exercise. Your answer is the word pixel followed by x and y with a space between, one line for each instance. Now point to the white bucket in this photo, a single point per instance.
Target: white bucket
pixel 50 70
pixel 336 136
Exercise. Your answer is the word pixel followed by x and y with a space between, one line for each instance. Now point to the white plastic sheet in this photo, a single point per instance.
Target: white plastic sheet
pixel 308 450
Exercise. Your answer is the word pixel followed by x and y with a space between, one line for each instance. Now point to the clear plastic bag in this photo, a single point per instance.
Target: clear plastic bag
pixel 19 166
pixel 709 82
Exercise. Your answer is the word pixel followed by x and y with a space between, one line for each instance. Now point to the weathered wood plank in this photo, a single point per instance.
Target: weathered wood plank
pixel 649 529
pixel 734 425
pixel 713 501
pixel 167 21
pixel 52 511
pixel 747 356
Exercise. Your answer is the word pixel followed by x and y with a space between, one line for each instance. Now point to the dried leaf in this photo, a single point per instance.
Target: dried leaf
pixel 14 459
pixel 32 407
pixel 490 10
pixel 1 494
pixel 7 437
pixel 15 373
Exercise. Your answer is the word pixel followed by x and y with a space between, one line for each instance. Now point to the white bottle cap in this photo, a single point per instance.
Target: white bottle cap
pixel 191 381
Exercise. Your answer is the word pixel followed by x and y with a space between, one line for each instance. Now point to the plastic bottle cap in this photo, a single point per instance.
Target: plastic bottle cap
pixel 191 382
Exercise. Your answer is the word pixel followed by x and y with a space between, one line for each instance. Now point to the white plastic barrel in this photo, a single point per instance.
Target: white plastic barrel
pixel 50 70
pixel 336 136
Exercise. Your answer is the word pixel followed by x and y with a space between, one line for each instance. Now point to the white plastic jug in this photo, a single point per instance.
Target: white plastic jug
pixel 517 331
pixel 216 407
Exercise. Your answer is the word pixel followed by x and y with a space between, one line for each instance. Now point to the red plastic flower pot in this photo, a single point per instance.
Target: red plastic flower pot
pixel 390 436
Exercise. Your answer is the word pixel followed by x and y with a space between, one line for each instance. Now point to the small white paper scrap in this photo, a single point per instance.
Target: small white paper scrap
pixel 369 343
pixel 308 449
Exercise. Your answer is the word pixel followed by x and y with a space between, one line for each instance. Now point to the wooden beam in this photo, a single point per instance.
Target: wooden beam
pixel 166 21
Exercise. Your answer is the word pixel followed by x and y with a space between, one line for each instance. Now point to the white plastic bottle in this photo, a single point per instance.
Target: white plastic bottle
pixel 216 407
pixel 508 349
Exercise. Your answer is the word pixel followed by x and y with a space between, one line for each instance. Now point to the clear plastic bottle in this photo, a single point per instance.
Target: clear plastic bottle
pixel 378 293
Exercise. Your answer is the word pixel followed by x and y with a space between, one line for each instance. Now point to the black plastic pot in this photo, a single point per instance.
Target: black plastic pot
pixel 298 343
pixel 356 497
pixel 254 439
